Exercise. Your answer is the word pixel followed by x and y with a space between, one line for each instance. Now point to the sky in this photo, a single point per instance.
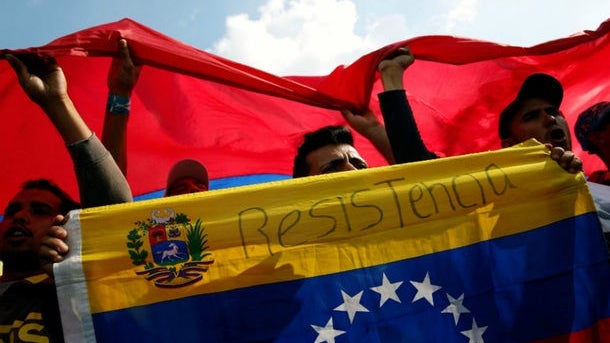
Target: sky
pixel 304 37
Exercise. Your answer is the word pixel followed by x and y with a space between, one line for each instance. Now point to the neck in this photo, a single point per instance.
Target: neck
pixel 9 276
pixel 19 265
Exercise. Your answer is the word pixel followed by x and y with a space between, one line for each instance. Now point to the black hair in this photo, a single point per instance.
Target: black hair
pixel 67 203
pixel 328 135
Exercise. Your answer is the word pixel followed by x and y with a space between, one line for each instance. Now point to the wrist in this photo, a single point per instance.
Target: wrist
pixel 118 104
pixel 391 77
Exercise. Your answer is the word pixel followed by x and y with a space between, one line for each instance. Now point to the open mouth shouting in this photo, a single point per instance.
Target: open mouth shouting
pixel 17 235
pixel 558 138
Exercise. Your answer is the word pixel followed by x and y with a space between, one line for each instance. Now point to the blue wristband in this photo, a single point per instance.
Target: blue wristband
pixel 118 104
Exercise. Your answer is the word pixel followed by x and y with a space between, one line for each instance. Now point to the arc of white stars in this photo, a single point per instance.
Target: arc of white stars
pixel 475 334
pixel 456 307
pixel 351 305
pixel 425 289
pixel 387 290
pixel 327 333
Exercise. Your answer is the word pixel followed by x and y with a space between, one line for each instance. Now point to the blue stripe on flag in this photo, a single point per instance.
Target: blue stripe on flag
pixel 227 182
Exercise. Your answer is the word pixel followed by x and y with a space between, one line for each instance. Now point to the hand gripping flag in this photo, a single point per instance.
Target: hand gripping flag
pixel 240 121
pixel 502 246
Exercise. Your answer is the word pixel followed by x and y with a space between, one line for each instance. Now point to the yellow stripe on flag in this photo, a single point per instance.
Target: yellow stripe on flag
pixel 271 232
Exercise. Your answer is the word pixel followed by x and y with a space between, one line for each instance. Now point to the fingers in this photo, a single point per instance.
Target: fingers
pixel 52 250
pixel 123 49
pixel 404 51
pixel 123 73
pixel 16 64
pixel 53 245
pixel 566 159
pixel 400 52
pixel 347 114
pixel 393 66
pixel 124 54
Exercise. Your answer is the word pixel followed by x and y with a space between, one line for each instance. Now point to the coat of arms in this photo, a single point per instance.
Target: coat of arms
pixel 178 255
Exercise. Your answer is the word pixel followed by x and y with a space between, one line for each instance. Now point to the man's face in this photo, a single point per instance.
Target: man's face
pixel 27 218
pixel 186 185
pixel 538 119
pixel 334 158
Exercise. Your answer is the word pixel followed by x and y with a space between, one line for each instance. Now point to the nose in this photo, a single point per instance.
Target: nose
pixel 549 119
pixel 347 167
pixel 21 217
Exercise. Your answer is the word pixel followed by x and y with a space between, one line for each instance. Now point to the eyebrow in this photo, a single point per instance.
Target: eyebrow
pixel 41 205
pixel 10 206
pixel 33 204
pixel 358 159
pixel 333 163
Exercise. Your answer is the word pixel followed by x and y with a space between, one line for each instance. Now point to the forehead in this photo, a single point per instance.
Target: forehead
pixel 37 195
pixel 329 152
pixel 531 105
pixel 187 180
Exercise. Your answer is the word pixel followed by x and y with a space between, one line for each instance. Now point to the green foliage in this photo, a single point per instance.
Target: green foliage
pixel 196 240
pixel 143 226
pixel 134 245
pixel 133 235
pixel 181 218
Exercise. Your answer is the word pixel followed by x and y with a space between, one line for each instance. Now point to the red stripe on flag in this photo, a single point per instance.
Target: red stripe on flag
pixel 600 332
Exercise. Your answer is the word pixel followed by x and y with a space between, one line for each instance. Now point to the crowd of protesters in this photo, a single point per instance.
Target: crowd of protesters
pixel 31 233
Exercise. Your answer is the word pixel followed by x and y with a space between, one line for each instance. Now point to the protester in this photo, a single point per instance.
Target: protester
pixel 331 149
pixel 403 136
pixel 534 113
pixel 187 176
pixel 592 130
pixel 28 303
pixel 327 150
pixel 122 78
pixel 31 225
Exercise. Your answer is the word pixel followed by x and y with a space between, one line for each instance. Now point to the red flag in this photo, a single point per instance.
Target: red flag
pixel 242 121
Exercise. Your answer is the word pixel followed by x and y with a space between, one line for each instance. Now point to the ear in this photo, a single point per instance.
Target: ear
pixel 508 142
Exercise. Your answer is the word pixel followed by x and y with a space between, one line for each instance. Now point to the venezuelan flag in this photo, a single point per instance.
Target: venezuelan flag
pixel 502 246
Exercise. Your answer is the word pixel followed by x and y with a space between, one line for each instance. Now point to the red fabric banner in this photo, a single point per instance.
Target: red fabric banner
pixel 241 121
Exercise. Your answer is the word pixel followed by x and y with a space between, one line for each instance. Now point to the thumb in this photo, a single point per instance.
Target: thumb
pixel 123 49
pixel 346 113
pixel 15 63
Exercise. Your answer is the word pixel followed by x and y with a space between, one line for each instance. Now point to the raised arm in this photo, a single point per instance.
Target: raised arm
pixel 122 78
pixel 367 125
pixel 401 128
pixel 99 179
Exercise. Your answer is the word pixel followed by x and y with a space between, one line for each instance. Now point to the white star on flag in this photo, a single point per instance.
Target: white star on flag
pixel 327 333
pixel 475 335
pixel 351 305
pixel 387 290
pixel 425 289
pixel 455 307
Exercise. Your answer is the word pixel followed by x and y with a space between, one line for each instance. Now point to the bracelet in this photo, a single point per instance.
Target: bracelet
pixel 118 104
